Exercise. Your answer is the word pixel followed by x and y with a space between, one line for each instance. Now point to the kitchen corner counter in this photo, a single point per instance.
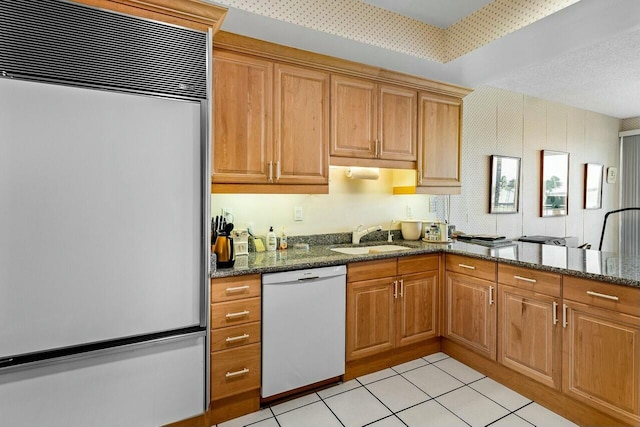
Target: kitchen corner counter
pixel 589 264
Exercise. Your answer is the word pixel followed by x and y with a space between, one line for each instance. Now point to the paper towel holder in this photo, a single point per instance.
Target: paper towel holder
pixel 362 173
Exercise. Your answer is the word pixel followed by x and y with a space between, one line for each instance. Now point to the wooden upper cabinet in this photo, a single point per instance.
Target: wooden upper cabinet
pixel 242 116
pixel 397 123
pixel 354 114
pixel 372 121
pixel 439 140
pixel 301 125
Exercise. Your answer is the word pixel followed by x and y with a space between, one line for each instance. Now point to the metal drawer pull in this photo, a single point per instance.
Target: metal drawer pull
pixel 605 296
pixel 525 279
pixel 238 338
pixel 238 314
pixel 401 287
pixel 237 289
pixel 490 295
pixel 237 373
pixel 395 289
pixel 555 313
pixel 470 267
pixel 564 316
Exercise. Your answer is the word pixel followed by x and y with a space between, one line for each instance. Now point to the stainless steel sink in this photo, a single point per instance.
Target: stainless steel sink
pixel 361 250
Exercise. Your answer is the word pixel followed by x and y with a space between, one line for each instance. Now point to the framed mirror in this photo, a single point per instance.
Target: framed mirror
pixel 554 186
pixel 593 186
pixel 505 184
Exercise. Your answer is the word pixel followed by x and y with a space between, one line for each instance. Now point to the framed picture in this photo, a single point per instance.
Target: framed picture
pixel 505 184
pixel 593 174
pixel 554 185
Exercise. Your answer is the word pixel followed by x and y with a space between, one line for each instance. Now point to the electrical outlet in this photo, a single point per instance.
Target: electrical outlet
pixel 297 213
pixel 409 212
pixel 227 213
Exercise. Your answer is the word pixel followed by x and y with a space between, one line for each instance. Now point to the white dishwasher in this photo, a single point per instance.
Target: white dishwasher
pixel 303 328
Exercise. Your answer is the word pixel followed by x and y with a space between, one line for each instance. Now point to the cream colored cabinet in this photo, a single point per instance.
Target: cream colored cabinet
pixel 439 143
pixel 391 303
pixel 271 123
pixel 235 343
pixel 529 331
pixel 602 346
pixel 470 303
pixel 372 121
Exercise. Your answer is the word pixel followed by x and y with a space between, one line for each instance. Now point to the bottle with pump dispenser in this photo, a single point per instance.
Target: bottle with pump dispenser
pixel 272 241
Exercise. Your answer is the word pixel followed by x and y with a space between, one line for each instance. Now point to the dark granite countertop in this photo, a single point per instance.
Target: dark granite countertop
pixel 590 264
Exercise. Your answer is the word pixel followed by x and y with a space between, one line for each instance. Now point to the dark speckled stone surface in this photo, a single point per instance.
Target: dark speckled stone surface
pixel 603 266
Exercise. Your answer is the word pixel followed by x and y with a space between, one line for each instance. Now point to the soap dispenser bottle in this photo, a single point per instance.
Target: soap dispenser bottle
pixel 283 241
pixel 272 241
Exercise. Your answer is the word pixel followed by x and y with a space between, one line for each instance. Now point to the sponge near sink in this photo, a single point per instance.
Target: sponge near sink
pixel 259 245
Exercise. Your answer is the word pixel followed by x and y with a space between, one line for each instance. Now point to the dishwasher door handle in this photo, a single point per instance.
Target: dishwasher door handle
pixel 302 279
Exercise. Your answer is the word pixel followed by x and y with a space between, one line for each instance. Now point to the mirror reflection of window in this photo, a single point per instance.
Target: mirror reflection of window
pixel 555 183
pixel 593 186
pixel 505 174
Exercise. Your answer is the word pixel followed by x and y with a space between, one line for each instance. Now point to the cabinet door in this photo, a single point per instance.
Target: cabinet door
pixel 353 117
pixel 529 334
pixel 439 120
pixel 301 126
pixel 397 121
pixel 242 117
pixel 370 320
pixel 418 312
pixel 602 359
pixel 471 313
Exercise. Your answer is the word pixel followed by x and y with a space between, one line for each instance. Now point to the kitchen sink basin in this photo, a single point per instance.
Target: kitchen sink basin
pixel 361 250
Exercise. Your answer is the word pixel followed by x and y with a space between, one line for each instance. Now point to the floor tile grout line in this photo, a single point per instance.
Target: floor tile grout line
pixel 331 410
pixel 454 414
pixel 339 393
pixel 451 375
pixel 274 417
pixel 495 401
pixel 524 419
pixel 297 407
pixel 384 418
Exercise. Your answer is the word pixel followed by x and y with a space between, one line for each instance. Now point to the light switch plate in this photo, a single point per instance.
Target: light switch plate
pixel 297 213
pixel 612 175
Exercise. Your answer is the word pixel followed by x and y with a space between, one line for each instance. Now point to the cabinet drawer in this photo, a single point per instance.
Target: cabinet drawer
pixel 479 268
pixel 235 336
pixel 624 299
pixel 235 371
pixel 365 270
pixel 418 264
pixel 232 313
pixel 233 288
pixel 534 280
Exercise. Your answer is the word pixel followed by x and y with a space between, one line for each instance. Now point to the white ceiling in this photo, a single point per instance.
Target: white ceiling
pixel 440 13
pixel 586 55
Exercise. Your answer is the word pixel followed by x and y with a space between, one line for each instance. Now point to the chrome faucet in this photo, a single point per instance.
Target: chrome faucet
pixel 359 233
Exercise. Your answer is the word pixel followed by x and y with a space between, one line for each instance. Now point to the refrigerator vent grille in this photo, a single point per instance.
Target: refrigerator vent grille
pixel 57 41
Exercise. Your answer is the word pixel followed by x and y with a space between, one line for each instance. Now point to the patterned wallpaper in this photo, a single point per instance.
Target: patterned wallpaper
pixel 632 123
pixel 362 22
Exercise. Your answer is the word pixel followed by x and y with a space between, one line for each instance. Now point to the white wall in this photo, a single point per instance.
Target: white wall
pixel 348 204
pixel 495 122
pixel 508 123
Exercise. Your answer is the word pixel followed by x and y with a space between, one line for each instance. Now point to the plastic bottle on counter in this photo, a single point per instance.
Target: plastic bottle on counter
pixel 272 241
pixel 283 241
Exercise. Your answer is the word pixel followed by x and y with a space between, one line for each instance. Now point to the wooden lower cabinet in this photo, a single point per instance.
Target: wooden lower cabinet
pixel 235 364
pixel 393 311
pixel 602 359
pixel 471 312
pixel 529 334
pixel 417 308
pixel 529 331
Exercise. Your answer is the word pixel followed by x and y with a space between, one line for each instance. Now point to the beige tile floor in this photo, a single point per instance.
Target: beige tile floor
pixel 436 390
